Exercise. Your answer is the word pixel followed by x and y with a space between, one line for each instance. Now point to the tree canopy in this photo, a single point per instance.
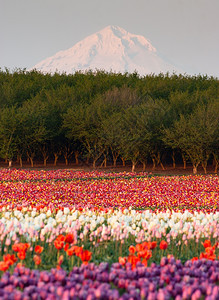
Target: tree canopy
pixel 99 117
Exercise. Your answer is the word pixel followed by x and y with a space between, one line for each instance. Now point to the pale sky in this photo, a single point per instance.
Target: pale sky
pixel 185 32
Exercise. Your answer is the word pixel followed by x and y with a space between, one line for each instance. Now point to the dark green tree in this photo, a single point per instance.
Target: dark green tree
pixel 9 126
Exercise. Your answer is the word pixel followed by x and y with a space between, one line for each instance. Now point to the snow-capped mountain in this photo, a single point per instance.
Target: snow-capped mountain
pixel 111 49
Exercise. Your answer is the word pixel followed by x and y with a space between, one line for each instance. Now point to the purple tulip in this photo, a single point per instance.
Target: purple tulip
pixel 169 280
pixel 196 295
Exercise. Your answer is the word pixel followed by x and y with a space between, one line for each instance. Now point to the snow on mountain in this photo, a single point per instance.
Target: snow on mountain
pixel 111 49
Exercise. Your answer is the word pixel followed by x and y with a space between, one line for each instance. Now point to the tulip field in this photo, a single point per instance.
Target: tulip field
pixel 68 234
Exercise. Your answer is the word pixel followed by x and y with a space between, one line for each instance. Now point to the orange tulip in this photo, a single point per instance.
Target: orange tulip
pixel 61 238
pixel 70 251
pixel 38 249
pixel 4 266
pixel 10 259
pixel 58 244
pixel 132 249
pixel 133 260
pixel 21 255
pixel 20 247
pixel 37 260
pixel 122 260
pixel 139 247
pixel 145 262
pixel 207 243
pixel 78 250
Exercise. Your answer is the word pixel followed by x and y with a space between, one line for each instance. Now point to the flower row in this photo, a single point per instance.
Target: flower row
pixel 200 193
pixel 107 224
pixel 168 280
pixel 33 175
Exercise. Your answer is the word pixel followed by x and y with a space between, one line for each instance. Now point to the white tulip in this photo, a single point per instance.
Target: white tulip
pixel 66 210
pixel 48 213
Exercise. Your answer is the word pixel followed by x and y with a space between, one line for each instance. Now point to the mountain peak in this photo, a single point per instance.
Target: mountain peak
pixel 116 30
pixel 110 49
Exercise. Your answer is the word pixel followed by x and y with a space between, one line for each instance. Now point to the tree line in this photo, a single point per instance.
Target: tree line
pixel 100 117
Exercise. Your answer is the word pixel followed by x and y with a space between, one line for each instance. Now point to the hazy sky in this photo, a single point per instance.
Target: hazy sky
pixel 186 32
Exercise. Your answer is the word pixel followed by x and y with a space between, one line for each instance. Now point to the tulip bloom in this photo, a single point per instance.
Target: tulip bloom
pixel 85 256
pixel 37 260
pixel 153 245
pixel 21 255
pixel 4 266
pixel 69 238
pixel 20 247
pixel 58 244
pixel 207 243
pixel 163 245
pixel 10 259
pixel 133 260
pixel 139 247
pixel 132 249
pixel 38 249
pixel 122 260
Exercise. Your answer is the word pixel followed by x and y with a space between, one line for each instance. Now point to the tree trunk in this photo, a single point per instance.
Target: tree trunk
pixel 87 160
pixel 133 165
pixel 154 163
pixel 44 151
pixel 115 156
pixel 144 163
pixel 159 162
pixel 114 161
pixel 184 161
pixel 184 164
pixel 76 157
pixel 66 160
pixel 94 163
pixel 67 154
pixel 162 166
pixel 123 161
pixel 10 163
pixel 173 158
pixel 21 162
pixel 31 161
pixel 204 166
pixel 56 158
pixel 45 160
pixel 195 168
pixel 104 162
pixel 30 156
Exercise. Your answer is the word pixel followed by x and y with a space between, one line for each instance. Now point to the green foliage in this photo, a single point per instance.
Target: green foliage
pixel 9 125
pixel 195 134
pixel 109 115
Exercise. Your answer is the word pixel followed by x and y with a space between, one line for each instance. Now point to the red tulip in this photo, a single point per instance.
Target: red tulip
pixel 163 245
